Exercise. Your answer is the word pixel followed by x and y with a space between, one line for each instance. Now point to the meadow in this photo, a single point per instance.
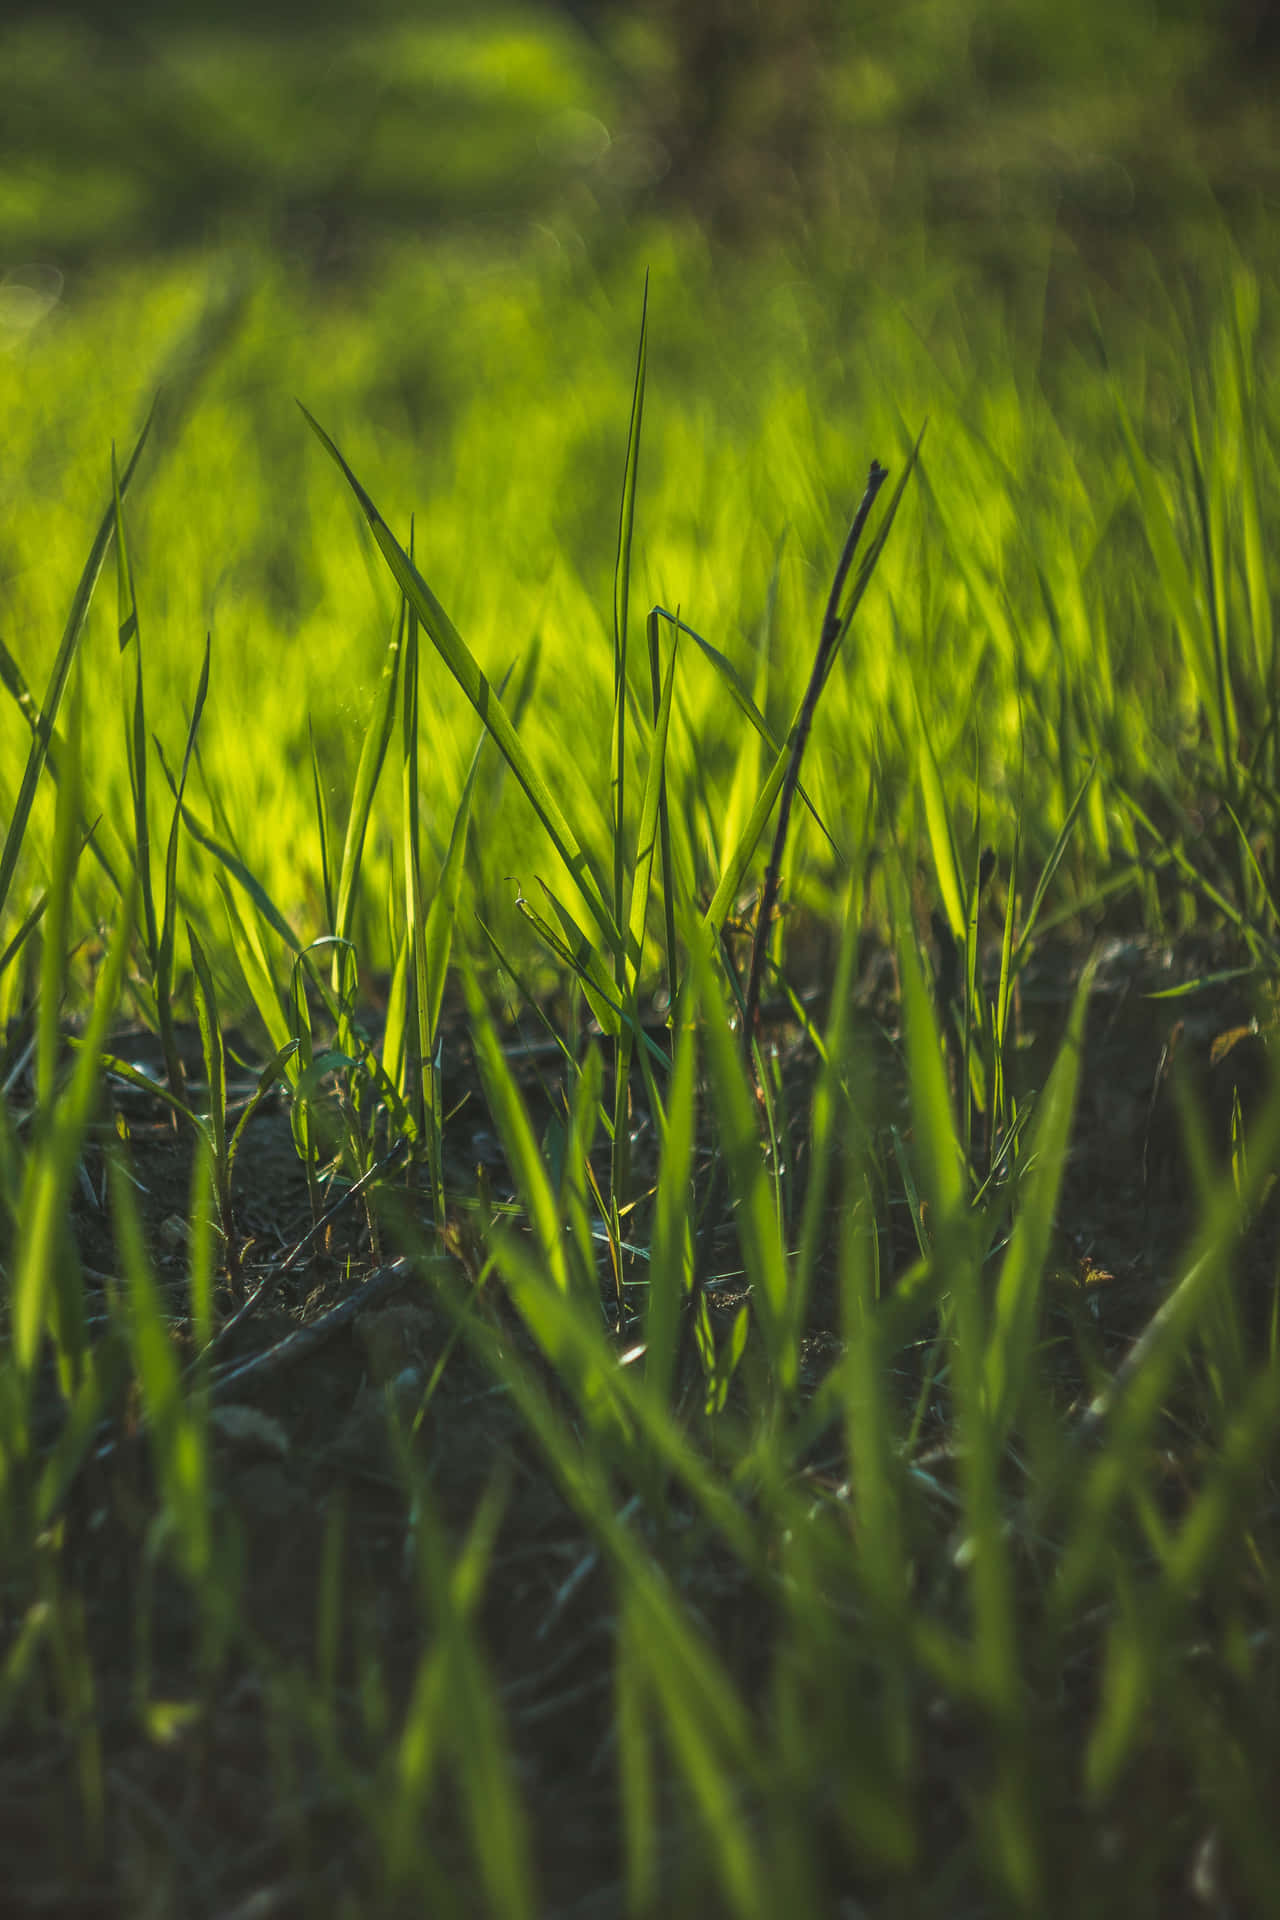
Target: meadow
pixel 638 950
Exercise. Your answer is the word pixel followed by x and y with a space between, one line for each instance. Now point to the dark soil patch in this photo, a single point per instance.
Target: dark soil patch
pixel 247 1805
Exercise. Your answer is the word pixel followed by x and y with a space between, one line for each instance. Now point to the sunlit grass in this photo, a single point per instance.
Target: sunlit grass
pixel 429 756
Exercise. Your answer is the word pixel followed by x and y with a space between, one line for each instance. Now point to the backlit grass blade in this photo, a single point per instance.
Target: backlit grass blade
pixel 39 748
pixel 1050 868
pixel 168 922
pixel 96 831
pixel 373 753
pixel 621 591
pixel 664 826
pixel 942 843
pixel 460 662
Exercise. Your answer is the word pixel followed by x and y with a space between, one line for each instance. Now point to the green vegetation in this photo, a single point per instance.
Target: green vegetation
pixel 615 1301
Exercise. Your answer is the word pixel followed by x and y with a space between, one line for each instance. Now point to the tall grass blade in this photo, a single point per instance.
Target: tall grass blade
pixel 17 828
pixel 621 592
pixel 460 662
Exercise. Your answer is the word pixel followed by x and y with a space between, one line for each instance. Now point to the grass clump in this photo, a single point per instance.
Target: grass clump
pixel 785 1418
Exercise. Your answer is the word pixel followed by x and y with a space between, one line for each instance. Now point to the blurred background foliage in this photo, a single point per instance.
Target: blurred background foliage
pixel 323 128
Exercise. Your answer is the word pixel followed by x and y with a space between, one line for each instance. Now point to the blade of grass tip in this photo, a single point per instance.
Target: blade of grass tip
pixel 1050 868
pixel 417 1071
pixel 58 676
pixel 580 955
pixel 432 950
pixel 95 831
pixel 246 943
pixel 871 557
pixel 452 649
pixel 621 590
pixel 834 625
pixel 164 954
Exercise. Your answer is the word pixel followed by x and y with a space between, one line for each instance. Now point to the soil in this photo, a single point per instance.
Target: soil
pixel 238 1809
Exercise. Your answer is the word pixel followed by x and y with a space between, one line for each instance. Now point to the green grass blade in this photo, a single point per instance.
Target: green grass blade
pixel 215 1073
pixel 164 952
pixel 130 634
pixel 671 1250
pixel 58 678
pixel 621 591
pixel 322 830
pixel 1051 867
pixel 941 838
pixel 373 753
pixel 460 662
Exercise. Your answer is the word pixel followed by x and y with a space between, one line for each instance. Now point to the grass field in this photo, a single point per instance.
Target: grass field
pixel 638 1147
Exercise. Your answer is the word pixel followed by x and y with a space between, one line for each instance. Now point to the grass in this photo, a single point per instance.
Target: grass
pixel 529 1376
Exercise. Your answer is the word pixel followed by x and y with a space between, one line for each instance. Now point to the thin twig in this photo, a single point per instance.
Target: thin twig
pixel 832 628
